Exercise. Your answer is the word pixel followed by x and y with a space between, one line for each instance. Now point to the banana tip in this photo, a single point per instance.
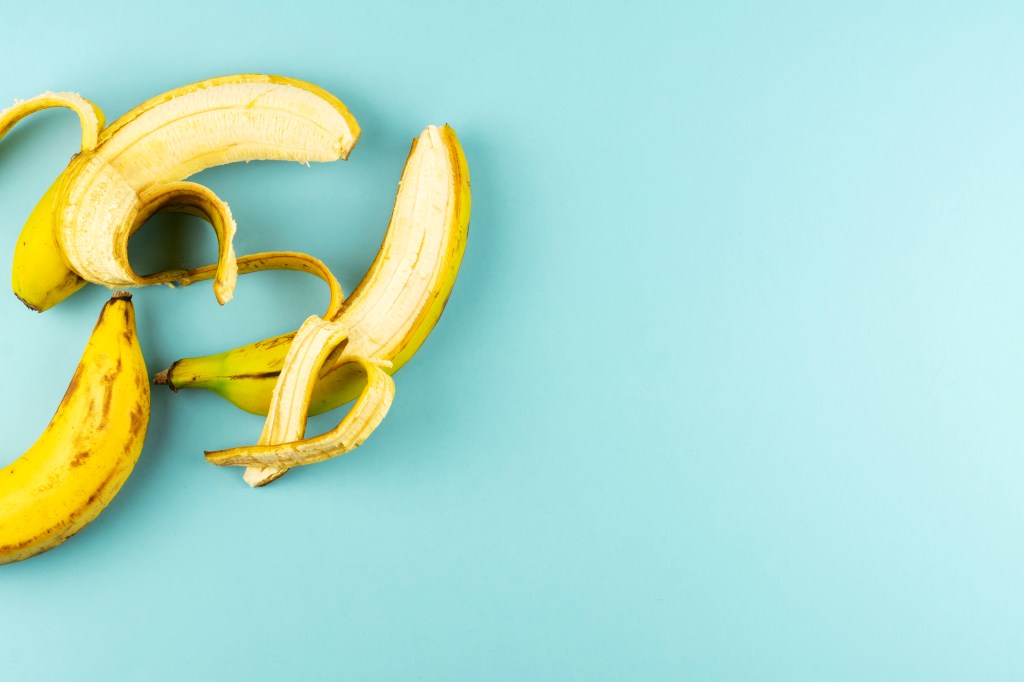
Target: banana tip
pixel 28 305
pixel 164 379
pixel 119 295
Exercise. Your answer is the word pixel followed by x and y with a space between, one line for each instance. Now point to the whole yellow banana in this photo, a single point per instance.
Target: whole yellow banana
pixel 89 448
pixel 389 314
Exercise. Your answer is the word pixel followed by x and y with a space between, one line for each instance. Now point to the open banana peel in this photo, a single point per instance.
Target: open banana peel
pixel 385 320
pixel 137 165
pixel 124 173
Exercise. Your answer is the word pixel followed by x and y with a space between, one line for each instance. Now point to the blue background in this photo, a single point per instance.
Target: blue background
pixel 729 388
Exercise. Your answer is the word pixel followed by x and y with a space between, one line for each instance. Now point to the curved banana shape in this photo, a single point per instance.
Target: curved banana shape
pixel 40 277
pixel 393 309
pixel 276 260
pixel 89 448
pixel 137 164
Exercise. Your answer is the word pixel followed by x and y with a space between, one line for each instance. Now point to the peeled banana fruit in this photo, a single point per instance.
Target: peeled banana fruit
pixel 391 311
pixel 136 166
pixel 91 445
pixel 381 324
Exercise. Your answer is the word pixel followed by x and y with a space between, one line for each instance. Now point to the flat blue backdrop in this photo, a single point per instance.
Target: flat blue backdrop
pixel 730 387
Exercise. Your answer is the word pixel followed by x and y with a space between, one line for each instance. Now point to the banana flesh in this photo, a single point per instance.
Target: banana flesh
pixel 86 453
pixel 134 167
pixel 226 120
pixel 393 309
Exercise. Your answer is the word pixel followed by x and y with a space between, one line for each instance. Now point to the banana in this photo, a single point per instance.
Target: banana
pixel 40 277
pixel 90 115
pixel 385 320
pixel 281 445
pixel 137 166
pixel 277 260
pixel 397 303
pixel 89 448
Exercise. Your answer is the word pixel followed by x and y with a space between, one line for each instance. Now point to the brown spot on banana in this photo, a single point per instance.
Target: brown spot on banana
pixel 88 449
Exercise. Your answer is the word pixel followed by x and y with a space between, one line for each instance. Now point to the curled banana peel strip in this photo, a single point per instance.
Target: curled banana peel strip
pixel 89 114
pixel 135 167
pixel 276 260
pixel 89 448
pixel 393 309
pixel 281 445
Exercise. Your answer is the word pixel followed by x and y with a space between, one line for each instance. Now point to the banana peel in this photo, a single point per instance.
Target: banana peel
pixel 379 326
pixel 136 166
pixel 126 172
pixel 85 454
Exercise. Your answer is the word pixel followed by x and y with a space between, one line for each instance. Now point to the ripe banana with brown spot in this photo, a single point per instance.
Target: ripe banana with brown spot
pixel 86 453
pixel 137 166
pixel 383 322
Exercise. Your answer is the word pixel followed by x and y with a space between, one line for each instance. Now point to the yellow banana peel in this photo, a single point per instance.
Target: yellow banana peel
pixel 89 448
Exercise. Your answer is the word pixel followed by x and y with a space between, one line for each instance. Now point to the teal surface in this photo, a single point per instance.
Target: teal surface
pixel 730 386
